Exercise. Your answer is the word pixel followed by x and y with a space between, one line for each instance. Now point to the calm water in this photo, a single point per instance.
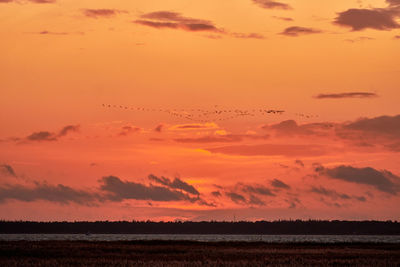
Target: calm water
pixel 207 238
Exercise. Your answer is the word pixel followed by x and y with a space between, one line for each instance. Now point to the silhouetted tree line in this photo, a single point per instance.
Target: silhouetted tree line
pixel 311 227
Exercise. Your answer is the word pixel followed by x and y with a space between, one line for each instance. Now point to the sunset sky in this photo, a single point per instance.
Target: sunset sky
pixel 199 110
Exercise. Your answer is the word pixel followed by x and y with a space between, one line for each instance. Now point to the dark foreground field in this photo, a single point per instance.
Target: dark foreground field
pixel 181 253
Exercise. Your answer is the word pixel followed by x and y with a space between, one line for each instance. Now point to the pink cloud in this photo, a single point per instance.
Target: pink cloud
pixel 271 4
pixel 297 31
pixel 101 13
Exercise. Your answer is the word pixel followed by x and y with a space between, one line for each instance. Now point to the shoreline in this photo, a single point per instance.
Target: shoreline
pixel 185 253
pixel 271 239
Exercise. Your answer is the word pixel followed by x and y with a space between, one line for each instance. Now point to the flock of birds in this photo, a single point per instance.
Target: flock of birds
pixel 206 115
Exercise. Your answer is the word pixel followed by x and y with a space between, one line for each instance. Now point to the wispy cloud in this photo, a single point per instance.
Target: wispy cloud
pixel 379 133
pixel 248 35
pixel 271 150
pixel 175 20
pixel 175 184
pixel 49 136
pixel 45 32
pixel 42 136
pixel 111 188
pixel 102 13
pixel 7 170
pixel 291 127
pixel 226 138
pixel 271 4
pixel 360 39
pixel 279 184
pixel 347 95
pixel 29 1
pixel 383 180
pixel 194 126
pixel 333 194
pixel 42 191
pixel 248 194
pixel 384 126
pixel 126 130
pixel 235 197
pixel 159 128
pixel 118 190
pixel 283 18
pixel 296 31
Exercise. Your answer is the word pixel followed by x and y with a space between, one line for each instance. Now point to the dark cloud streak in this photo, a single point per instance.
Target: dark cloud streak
pixel 48 136
pixel 174 20
pixel 41 191
pixel 335 195
pixel 279 184
pixel 175 184
pixel 271 4
pixel 31 1
pixel 383 181
pixel 270 150
pixel 347 95
pixel 296 31
pixel 7 170
pixel 101 13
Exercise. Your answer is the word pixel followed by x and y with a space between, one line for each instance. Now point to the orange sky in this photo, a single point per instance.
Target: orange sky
pixel 258 109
